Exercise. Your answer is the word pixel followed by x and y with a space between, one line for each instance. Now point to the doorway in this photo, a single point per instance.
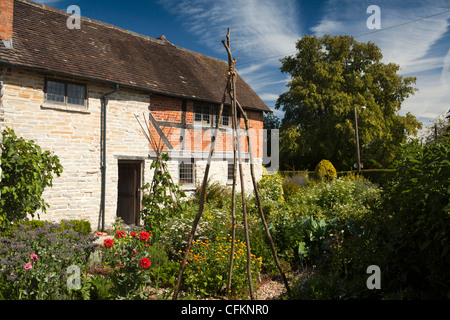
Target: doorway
pixel 129 196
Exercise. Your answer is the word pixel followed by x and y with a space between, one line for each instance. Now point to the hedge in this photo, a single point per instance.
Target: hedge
pixel 378 176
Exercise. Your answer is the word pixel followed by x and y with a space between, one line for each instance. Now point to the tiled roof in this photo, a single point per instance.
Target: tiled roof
pixel 103 52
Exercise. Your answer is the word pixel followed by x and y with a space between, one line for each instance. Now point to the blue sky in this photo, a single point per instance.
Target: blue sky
pixel 263 31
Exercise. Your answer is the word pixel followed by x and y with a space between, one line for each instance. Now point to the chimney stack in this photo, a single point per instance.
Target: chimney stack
pixel 6 22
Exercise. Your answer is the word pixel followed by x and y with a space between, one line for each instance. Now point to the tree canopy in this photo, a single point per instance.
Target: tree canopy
pixel 330 76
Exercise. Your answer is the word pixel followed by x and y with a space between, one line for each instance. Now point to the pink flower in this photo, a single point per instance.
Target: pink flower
pixel 27 266
pixel 34 257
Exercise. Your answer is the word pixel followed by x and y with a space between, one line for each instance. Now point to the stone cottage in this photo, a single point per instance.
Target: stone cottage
pixel 77 92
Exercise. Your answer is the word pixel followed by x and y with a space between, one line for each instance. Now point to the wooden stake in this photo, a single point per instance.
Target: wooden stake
pixel 233 200
pixel 202 200
pixel 258 200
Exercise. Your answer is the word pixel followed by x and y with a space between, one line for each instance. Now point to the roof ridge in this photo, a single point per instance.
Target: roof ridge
pixel 112 26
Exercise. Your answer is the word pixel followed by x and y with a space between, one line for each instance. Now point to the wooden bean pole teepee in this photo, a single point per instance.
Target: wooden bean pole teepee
pixel 231 92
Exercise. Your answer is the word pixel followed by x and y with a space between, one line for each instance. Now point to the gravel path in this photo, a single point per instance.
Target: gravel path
pixel 271 290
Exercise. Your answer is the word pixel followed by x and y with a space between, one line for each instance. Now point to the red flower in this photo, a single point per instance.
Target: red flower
pixel 134 251
pixel 144 236
pixel 145 263
pixel 120 234
pixel 133 234
pixel 108 242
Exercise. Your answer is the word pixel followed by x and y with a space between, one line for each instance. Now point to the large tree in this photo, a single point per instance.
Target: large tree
pixel 330 76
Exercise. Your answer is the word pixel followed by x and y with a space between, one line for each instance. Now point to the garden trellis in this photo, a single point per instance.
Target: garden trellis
pixel 230 90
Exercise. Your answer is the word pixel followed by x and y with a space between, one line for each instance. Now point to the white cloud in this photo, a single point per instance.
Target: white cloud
pixel 260 31
pixel 258 28
pixel 269 96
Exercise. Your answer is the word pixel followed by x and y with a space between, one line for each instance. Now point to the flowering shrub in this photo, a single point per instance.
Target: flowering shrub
pixel 208 264
pixel 34 260
pixel 128 256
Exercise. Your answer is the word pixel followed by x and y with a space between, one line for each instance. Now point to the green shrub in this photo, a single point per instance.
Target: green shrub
pixel 417 209
pixel 290 188
pixel 270 189
pixel 81 226
pixel 215 192
pixel 26 172
pixel 325 171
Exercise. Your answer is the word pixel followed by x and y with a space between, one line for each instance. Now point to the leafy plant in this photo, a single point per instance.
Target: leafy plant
pixel 208 265
pixel 26 172
pixel 128 255
pixel 215 192
pixel 417 211
pixel 161 199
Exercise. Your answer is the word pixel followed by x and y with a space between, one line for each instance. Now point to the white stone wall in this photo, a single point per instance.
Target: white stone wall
pixel 74 136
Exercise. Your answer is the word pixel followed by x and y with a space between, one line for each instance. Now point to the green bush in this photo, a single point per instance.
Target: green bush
pixel 26 172
pixel 417 209
pixel 345 199
pixel 81 226
pixel 325 171
pixel 215 192
pixel 271 193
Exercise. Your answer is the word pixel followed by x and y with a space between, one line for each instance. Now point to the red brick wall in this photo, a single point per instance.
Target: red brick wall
pixel 170 109
pixel 6 19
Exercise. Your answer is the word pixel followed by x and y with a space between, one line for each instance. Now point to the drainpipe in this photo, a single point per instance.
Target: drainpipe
pixel 104 102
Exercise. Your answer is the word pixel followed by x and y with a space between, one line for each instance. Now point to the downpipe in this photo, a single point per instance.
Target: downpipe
pixel 104 102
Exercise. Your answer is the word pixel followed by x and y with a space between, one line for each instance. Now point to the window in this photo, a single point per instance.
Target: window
pixel 186 172
pixel 207 115
pixel 230 171
pixel 202 114
pixel 65 93
pixel 225 117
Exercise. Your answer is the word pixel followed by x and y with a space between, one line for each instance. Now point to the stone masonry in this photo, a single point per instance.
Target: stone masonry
pixel 73 134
